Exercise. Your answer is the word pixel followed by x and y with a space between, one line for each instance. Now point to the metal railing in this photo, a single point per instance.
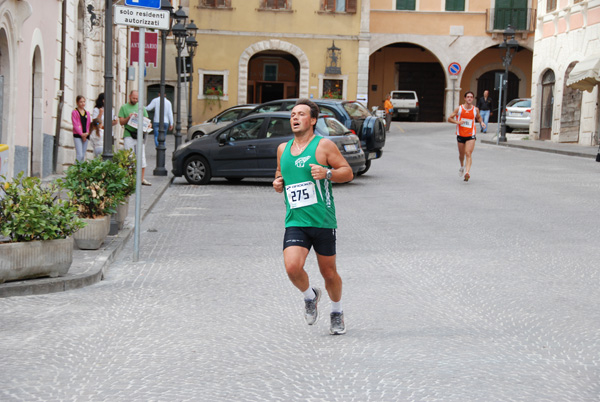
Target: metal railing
pixel 522 19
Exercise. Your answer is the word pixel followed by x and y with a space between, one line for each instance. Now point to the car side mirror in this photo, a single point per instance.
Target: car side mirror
pixel 223 139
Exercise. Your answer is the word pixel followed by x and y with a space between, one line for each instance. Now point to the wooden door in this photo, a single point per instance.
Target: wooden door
pixel 547 105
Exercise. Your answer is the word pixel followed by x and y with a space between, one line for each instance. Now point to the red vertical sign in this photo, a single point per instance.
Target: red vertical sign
pixel 151 53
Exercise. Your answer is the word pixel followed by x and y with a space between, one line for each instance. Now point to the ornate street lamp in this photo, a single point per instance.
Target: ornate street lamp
pixel 180 33
pixel 161 148
pixel 191 44
pixel 511 45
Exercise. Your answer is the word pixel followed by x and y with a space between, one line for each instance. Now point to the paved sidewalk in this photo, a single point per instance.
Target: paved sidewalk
pixel 90 266
pixel 523 141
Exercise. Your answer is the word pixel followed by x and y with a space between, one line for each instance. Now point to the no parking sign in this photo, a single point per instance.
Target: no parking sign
pixel 454 68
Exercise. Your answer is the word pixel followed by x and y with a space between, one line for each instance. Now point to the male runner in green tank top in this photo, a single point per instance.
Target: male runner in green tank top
pixel 306 167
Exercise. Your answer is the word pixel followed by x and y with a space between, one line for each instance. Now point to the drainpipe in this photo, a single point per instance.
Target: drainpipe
pixel 61 91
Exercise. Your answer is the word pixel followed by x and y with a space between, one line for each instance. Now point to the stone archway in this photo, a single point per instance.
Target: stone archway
pixel 273 44
pixel 570 111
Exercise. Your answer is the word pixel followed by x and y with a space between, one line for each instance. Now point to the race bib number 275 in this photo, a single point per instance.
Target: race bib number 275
pixel 301 194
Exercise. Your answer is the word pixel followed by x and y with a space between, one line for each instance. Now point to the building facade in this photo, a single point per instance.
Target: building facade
pixel 254 51
pixel 43 67
pixel 568 33
pixel 414 42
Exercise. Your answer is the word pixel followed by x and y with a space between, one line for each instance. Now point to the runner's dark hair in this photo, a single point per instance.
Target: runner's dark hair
pixel 314 109
pixel 469 92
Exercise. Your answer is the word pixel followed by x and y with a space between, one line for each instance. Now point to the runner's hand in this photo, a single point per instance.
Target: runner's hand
pixel 318 172
pixel 278 184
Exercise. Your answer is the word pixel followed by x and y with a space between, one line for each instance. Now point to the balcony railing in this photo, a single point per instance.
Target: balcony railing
pixel 522 19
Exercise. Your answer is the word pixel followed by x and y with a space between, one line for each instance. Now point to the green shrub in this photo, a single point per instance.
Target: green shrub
pixel 125 158
pixel 95 187
pixel 30 211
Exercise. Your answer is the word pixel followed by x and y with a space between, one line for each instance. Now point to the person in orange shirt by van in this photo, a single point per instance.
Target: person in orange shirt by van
pixel 465 116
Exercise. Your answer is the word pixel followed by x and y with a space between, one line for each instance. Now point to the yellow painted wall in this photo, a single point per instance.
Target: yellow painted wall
pixel 415 23
pixel 429 5
pixel 244 26
pixel 305 18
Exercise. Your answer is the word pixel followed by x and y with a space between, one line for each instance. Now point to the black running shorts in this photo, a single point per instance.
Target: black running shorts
pixel 463 140
pixel 323 240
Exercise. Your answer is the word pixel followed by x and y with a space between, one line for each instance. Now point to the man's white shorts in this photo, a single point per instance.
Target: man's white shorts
pixel 130 143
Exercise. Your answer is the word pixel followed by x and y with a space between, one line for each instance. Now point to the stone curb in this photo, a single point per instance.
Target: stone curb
pixel 95 274
pixel 541 149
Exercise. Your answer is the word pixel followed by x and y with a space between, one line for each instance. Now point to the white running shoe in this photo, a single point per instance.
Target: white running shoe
pixel 311 312
pixel 461 171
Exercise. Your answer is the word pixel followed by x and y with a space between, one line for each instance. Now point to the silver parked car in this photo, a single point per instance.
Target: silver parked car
pixel 518 114
pixel 221 120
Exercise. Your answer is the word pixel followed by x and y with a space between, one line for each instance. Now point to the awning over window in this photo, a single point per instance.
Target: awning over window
pixel 586 74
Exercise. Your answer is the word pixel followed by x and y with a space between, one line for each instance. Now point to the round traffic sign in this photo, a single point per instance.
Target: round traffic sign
pixel 454 68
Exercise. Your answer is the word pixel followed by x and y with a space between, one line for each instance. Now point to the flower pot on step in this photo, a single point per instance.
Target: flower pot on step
pixel 34 259
pixel 93 234
pixel 122 211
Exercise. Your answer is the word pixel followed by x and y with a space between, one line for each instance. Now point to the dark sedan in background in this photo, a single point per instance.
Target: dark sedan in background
pixel 369 129
pixel 248 148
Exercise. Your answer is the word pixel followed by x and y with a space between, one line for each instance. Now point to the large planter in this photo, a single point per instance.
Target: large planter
pixel 34 259
pixel 93 234
pixel 122 211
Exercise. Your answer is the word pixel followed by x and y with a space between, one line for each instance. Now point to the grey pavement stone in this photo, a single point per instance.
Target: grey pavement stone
pixel 453 291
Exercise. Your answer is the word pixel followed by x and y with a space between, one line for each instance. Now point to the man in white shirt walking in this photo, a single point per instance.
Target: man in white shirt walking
pixel 168 116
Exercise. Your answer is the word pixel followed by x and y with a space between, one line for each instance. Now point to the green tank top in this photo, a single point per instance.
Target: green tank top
pixel 308 202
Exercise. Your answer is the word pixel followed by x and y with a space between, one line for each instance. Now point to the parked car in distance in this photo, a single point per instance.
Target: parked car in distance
pixel 518 114
pixel 248 148
pixel 369 129
pixel 220 120
pixel 406 104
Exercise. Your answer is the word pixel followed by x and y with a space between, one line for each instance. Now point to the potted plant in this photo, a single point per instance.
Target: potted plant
pixel 35 229
pixel 95 187
pixel 125 158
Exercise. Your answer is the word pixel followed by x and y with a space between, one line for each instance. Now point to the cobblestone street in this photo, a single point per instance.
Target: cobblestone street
pixel 484 290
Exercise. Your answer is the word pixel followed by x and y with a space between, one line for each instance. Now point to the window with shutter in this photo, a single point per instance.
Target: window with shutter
pixel 405 4
pixel 339 6
pixel 274 4
pixel 455 5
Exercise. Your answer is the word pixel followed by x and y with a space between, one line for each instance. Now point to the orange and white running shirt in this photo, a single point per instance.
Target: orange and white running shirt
pixel 467 127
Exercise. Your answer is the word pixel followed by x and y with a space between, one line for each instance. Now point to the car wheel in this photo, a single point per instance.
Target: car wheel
pixel 415 117
pixel 234 179
pixel 509 129
pixel 197 170
pixel 197 134
pixel 367 166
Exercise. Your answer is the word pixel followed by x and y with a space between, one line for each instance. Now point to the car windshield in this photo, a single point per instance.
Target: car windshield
pixel 519 103
pixel 403 95
pixel 329 126
pixel 356 110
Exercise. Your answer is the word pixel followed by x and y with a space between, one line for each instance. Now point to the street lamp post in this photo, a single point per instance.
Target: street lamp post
pixel 510 44
pixel 180 33
pixel 191 44
pixel 161 148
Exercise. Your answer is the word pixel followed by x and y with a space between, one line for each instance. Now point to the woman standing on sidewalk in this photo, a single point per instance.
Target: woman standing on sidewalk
pixel 81 128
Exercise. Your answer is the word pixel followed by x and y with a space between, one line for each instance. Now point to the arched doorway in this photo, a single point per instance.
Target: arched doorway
pixel 407 66
pixel 153 91
pixel 547 105
pixel 272 75
pixel 37 146
pixel 487 81
pixel 570 115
